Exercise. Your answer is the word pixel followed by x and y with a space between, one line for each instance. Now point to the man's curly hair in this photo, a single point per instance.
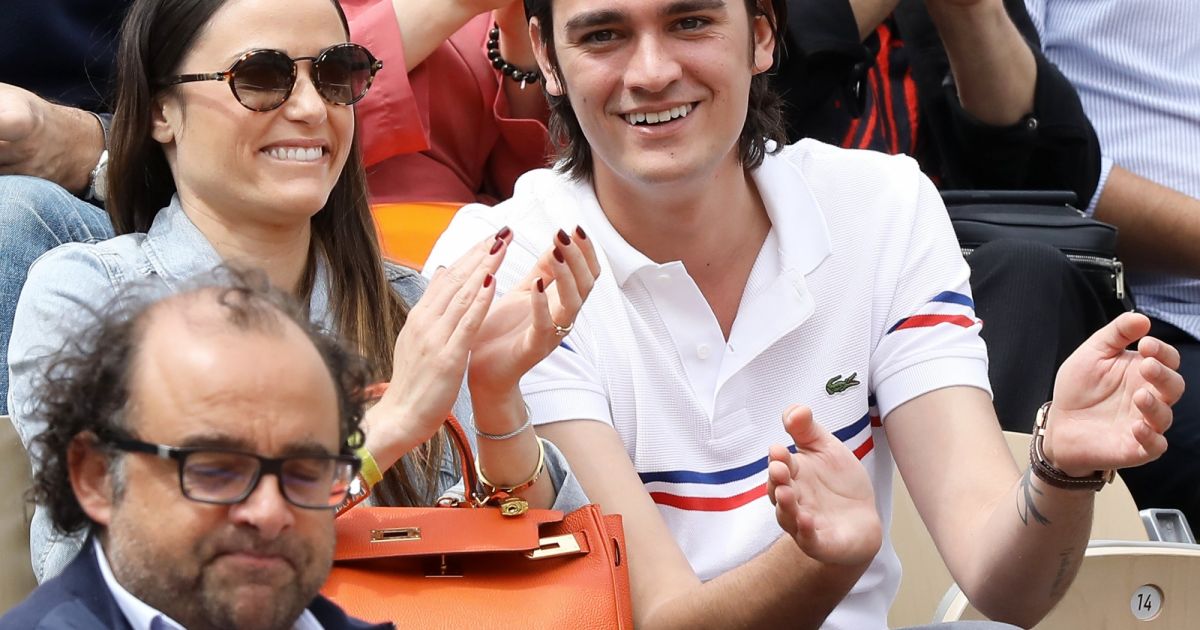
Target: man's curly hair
pixel 85 389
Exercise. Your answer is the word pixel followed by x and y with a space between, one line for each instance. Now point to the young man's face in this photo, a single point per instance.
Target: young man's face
pixel 660 87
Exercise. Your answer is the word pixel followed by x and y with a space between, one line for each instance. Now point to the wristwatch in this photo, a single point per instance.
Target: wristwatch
pixel 1050 474
pixel 98 179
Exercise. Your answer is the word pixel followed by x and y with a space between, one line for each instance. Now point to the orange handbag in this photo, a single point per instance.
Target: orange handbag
pixel 463 565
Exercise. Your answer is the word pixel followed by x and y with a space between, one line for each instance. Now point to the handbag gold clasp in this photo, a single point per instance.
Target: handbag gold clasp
pixel 555 546
pixel 514 506
pixel 396 534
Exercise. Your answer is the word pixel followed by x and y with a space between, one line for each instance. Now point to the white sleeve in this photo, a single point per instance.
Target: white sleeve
pixel 930 337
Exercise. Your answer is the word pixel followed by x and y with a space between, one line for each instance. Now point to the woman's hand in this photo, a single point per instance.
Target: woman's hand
pixel 523 326
pixel 431 352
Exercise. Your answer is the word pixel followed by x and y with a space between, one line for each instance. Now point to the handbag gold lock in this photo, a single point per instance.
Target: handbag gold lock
pixel 514 506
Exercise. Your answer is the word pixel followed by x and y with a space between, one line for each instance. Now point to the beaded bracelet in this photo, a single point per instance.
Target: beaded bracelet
pixel 498 62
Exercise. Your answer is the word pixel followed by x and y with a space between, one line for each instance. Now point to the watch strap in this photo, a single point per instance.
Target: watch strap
pixel 1050 474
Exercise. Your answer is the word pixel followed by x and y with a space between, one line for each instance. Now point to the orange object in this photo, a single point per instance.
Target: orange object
pixel 470 566
pixel 407 231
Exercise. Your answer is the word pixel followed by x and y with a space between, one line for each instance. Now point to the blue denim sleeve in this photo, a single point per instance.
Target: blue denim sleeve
pixel 64 290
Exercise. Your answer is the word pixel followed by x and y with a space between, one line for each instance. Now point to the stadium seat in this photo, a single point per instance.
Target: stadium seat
pixel 16 575
pixel 1121 584
pixel 407 231
pixel 926 578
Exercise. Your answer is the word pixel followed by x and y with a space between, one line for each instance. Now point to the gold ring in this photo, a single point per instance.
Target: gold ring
pixel 563 331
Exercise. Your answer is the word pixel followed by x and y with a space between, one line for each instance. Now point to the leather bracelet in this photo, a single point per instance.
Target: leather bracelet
pixel 493 490
pixel 1048 473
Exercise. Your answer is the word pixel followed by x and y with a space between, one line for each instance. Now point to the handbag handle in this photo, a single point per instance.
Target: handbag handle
pixel 458 440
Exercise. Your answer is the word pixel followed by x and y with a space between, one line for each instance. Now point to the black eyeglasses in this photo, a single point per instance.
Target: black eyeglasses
pixel 225 476
pixel 262 79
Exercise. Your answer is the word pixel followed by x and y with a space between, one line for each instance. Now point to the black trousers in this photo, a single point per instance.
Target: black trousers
pixel 1037 308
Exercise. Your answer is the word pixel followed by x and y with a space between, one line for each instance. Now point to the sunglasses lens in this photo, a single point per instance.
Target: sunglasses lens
pixel 262 80
pixel 344 74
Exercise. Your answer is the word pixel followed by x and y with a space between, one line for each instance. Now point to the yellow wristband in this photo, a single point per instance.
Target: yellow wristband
pixel 370 469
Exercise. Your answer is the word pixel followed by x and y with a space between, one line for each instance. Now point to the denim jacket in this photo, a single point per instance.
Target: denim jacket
pixel 70 283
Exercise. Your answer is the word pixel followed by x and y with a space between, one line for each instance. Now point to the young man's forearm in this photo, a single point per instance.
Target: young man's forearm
pixel 1037 536
pixel 781 588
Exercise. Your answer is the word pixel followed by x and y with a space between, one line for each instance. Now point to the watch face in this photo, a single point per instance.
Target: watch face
pixel 99 184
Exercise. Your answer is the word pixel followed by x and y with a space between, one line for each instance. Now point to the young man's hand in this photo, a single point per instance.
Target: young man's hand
pixel 41 139
pixel 1112 405
pixel 822 494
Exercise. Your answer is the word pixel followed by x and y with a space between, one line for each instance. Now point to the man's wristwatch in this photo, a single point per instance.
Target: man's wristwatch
pixel 1050 474
pixel 98 179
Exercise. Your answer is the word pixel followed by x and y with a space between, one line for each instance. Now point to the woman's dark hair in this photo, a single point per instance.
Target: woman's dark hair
pixel 764 115
pixel 85 389
pixel 155 37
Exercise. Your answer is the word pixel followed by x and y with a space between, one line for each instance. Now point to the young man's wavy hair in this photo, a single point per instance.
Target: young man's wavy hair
pixel 85 390
pixel 764 115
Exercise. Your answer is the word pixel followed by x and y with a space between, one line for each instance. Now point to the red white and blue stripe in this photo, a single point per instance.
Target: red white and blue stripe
pixel 947 307
pixel 731 488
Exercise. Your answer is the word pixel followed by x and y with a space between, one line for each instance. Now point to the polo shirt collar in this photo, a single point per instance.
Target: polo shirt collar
pixel 796 219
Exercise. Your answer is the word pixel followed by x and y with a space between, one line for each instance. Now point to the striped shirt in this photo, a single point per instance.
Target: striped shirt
pixel 858 301
pixel 1136 65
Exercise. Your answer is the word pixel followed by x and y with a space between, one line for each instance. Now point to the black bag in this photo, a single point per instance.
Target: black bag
pixel 979 216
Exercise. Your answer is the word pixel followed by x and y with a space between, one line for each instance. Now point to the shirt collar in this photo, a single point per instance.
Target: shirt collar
pixel 796 219
pixel 139 614
pixel 176 247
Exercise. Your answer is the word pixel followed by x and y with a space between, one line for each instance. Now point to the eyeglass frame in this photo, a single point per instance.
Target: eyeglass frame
pixel 227 75
pixel 266 466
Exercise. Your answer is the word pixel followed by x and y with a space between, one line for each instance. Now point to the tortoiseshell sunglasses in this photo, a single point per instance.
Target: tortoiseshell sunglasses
pixel 262 79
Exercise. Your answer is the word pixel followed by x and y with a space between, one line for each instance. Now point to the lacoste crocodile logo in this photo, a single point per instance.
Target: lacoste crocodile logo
pixel 837 384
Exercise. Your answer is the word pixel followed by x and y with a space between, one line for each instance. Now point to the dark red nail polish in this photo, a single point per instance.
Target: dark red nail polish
pixel 504 232
pixel 563 238
pixel 558 255
pixel 580 233
pixel 487 280
pixel 541 286
pixel 497 245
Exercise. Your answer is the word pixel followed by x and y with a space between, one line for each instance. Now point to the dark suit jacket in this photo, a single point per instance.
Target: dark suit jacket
pixel 78 599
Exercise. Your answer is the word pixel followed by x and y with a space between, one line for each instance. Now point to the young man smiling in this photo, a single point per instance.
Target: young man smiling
pixel 739 280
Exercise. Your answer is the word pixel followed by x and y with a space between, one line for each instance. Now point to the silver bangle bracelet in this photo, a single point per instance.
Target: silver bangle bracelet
pixel 510 434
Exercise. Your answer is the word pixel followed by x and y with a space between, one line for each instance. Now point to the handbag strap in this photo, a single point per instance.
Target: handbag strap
pixel 458 441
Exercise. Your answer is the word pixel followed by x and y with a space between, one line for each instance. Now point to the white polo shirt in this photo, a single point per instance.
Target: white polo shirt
pixel 858 302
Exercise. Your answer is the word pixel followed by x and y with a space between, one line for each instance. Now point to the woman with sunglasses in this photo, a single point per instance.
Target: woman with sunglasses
pixel 234 142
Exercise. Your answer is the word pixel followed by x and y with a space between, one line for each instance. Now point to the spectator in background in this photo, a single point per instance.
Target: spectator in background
pixel 453 131
pixel 478 128
pixel 267 173
pixel 148 400
pixel 962 87
pixel 1137 69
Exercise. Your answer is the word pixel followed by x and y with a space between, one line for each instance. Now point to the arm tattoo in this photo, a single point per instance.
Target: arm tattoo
pixel 1065 574
pixel 1029 509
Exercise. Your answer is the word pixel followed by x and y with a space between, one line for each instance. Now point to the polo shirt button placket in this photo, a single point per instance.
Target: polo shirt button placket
pixel 703 351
